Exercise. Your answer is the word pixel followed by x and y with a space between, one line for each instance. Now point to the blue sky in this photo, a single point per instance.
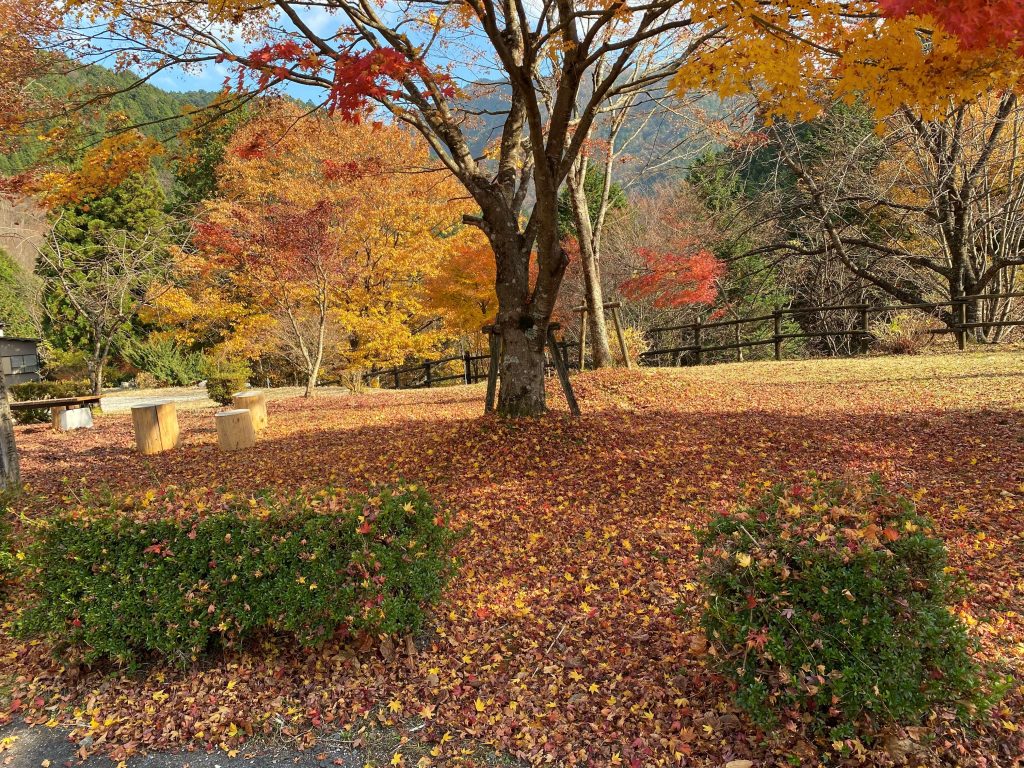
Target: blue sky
pixel 210 77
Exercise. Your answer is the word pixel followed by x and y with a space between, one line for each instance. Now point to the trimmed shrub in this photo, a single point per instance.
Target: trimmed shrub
pixel 829 604
pixel 165 361
pixel 44 390
pixel 64 364
pixel 49 390
pixel 905 333
pixel 146 380
pixel 112 584
pixel 224 380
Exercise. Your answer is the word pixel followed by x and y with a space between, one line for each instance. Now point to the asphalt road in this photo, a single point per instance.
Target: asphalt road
pixel 22 746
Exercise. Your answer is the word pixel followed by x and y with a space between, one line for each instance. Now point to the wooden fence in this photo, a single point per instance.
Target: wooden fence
pixel 691 347
pixel 458 369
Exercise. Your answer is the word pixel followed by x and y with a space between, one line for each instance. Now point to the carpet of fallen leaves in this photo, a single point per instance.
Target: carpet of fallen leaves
pixel 569 636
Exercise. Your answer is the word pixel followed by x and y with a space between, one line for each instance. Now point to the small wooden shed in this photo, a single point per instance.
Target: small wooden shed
pixel 19 359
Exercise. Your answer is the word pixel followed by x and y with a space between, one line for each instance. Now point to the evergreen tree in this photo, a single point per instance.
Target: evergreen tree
pixel 101 259
pixel 593 184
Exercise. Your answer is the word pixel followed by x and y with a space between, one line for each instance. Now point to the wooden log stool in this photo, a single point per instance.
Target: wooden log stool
pixel 235 430
pixel 256 403
pixel 156 427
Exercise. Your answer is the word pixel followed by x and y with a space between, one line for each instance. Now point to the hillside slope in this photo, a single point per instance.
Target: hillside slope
pixel 155 110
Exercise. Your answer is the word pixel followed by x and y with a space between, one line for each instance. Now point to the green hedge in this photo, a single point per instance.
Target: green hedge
pixel 225 380
pixel 111 585
pixel 830 606
pixel 45 390
pixel 166 361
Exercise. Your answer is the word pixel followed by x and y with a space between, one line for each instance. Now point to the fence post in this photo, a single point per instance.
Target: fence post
pixel 398 383
pixel 777 337
pixel 467 362
pixel 961 321
pixel 739 349
pixel 426 370
pixel 583 337
pixel 864 335
pixel 698 342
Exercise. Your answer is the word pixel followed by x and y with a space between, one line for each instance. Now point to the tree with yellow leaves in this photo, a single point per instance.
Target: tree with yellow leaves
pixel 323 235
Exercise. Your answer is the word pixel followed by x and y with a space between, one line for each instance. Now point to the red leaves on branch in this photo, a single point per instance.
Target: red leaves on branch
pixel 359 76
pixel 978 23
pixel 352 170
pixel 689 275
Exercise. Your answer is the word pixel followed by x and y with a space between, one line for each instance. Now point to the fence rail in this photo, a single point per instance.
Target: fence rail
pixel 469 368
pixel 691 346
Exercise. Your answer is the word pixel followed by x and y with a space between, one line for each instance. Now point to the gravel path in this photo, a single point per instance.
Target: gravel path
pixel 186 398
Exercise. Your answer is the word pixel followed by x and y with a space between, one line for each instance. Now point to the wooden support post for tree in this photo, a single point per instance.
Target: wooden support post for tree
pixel 467 365
pixel 494 341
pixel 614 306
pixel 698 333
pixel 156 427
pixel 777 332
pixel 562 369
pixel 961 322
pixel 617 319
pixel 255 402
pixel 234 430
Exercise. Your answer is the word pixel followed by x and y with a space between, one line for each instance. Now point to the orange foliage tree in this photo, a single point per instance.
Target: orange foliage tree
pixel 462 289
pixel 319 244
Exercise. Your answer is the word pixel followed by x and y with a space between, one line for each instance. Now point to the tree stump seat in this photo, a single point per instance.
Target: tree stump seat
pixel 156 427
pixel 255 402
pixel 235 430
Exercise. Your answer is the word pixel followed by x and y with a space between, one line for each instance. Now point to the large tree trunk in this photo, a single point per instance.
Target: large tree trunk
pixel 524 313
pixel 10 473
pixel 522 371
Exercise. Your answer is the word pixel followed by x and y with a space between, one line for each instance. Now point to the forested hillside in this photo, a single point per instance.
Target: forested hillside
pixel 142 104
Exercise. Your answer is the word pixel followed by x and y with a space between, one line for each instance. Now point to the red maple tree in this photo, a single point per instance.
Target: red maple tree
pixel 687 274
pixel 977 23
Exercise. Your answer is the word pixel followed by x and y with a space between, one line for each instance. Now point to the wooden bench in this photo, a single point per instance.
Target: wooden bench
pixel 59 408
pixel 81 401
